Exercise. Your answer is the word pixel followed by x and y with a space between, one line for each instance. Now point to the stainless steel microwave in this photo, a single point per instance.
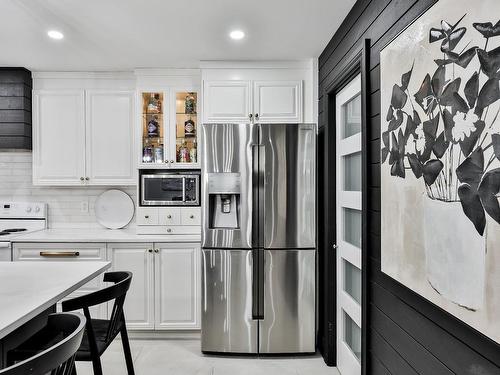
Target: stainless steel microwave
pixel 170 189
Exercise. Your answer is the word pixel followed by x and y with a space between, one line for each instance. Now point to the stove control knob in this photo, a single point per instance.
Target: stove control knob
pixel 37 209
pixel 28 209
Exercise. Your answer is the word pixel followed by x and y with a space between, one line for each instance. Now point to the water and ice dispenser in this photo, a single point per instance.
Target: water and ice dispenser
pixel 224 192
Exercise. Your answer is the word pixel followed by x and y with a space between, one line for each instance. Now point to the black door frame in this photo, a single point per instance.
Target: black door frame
pixel 350 67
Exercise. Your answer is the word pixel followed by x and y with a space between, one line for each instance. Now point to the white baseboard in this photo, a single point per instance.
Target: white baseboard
pixel 164 335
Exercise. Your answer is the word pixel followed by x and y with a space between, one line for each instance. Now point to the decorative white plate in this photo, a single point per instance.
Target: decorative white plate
pixel 114 209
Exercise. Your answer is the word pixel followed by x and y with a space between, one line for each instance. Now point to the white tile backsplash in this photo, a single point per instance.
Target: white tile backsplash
pixel 64 202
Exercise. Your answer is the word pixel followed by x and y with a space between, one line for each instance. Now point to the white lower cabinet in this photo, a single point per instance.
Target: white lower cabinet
pixel 138 259
pixel 177 286
pixel 165 290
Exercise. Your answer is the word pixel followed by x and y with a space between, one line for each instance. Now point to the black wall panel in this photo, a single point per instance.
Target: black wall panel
pixel 406 334
pixel 15 108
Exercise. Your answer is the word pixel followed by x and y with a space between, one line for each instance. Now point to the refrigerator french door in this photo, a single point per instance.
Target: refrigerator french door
pixel 259 238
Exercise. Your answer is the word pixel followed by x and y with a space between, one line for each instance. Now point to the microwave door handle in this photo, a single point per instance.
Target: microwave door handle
pixel 184 189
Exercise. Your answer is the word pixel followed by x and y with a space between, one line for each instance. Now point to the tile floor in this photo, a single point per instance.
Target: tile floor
pixel 183 357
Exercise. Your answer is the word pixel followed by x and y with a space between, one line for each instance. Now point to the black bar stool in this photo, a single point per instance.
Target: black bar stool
pixel 51 350
pixel 99 333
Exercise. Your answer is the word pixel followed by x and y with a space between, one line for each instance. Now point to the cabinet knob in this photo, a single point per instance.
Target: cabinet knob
pixel 171 161
pixel 81 179
pixel 166 161
pixel 191 217
pixel 87 178
pixel 169 230
pixel 150 250
pixel 169 216
pixel 250 116
pixel 146 217
pixel 157 251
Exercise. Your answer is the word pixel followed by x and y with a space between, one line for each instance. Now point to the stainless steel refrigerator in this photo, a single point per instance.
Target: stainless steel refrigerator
pixel 259 238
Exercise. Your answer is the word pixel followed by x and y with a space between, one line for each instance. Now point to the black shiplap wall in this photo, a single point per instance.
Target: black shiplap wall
pixel 406 334
pixel 15 108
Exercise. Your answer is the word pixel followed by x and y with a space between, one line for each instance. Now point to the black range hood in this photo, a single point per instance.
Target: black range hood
pixel 15 109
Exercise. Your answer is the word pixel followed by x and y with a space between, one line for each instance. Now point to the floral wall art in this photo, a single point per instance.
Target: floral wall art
pixel 440 155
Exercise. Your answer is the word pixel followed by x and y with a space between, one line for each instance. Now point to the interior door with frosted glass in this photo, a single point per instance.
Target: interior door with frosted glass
pixel 348 246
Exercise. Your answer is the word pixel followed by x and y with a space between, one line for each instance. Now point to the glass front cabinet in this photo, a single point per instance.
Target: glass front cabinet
pixel 169 129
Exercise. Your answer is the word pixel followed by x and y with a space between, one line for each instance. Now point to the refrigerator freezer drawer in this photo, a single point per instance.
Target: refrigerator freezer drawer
pixel 227 325
pixel 289 302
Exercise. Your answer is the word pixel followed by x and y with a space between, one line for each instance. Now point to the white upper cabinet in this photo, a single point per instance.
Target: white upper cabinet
pixel 83 137
pixel 110 137
pixel 254 101
pixel 227 101
pixel 169 127
pixel 277 101
pixel 58 137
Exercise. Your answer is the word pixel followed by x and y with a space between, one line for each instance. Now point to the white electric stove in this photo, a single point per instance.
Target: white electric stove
pixel 18 218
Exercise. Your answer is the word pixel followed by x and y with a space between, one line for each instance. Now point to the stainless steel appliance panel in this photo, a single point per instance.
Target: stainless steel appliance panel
pixel 289 302
pixel 288 165
pixel 227 182
pixel 170 189
pixel 227 324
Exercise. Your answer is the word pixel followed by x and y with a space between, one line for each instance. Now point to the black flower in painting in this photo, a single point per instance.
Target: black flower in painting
pixel 450 35
pixel 488 29
pixel 454 147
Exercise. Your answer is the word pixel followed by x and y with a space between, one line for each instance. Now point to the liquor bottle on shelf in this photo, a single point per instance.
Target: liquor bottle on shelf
pixel 158 103
pixel 190 104
pixel 153 127
pixel 192 153
pixel 183 153
pixel 189 128
pixel 152 104
pixel 147 152
pixel 158 153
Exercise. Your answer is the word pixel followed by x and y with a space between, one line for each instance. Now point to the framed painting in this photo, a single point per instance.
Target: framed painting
pixel 440 160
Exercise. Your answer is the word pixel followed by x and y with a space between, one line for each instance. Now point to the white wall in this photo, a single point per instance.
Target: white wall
pixel 64 202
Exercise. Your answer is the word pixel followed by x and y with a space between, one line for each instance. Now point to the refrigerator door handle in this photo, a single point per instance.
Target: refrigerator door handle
pixel 257 284
pixel 255 195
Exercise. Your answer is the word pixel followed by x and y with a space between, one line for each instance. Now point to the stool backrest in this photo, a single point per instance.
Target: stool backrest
pixel 116 292
pixel 58 359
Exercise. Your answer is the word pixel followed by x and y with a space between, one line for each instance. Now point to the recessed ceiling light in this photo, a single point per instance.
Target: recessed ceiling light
pixel 54 34
pixel 237 34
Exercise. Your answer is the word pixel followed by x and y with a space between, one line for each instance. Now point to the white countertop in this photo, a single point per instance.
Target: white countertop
pixel 101 235
pixel 29 288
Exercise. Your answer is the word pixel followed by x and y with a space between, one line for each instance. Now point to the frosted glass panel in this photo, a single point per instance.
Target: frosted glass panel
pixel 352 172
pixel 352 281
pixel 352 117
pixel 352 335
pixel 352 227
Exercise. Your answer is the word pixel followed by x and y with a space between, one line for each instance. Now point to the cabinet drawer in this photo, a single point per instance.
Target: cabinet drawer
pixel 147 216
pixel 66 252
pixel 191 216
pixel 63 252
pixel 170 229
pixel 169 216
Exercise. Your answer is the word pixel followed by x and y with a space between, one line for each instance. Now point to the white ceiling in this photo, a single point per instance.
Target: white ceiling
pixel 127 34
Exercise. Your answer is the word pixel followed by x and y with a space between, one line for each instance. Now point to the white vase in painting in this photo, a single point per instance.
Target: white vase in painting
pixel 455 254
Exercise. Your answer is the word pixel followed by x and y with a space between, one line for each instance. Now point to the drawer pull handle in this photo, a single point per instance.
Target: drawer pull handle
pixel 146 217
pixel 169 230
pixel 191 217
pixel 59 254
pixel 169 216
